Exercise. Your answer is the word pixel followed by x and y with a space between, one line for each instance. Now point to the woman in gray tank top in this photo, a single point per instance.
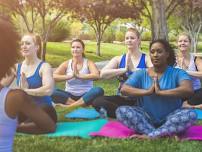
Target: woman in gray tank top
pixel 78 73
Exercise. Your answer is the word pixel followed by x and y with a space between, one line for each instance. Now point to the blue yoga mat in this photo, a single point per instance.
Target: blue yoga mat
pixel 83 113
pixel 78 129
pixel 199 113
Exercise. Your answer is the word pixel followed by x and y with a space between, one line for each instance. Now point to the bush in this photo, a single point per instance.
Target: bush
pixel 120 36
pixel 146 36
pixel 108 35
pixel 59 33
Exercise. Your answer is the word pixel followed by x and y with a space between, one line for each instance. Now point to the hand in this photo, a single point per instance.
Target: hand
pixel 151 89
pixel 75 70
pixel 128 60
pixel 23 82
pixel 156 85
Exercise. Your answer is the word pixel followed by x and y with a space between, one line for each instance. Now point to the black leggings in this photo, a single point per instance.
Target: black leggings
pixel 111 103
pixel 196 99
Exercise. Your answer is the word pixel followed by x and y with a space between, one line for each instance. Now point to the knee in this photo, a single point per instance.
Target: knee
pixel 98 91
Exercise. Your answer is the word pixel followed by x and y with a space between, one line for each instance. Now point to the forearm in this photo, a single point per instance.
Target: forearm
pixel 89 76
pixel 42 91
pixel 180 92
pixel 195 74
pixel 59 78
pixel 111 73
pixel 130 91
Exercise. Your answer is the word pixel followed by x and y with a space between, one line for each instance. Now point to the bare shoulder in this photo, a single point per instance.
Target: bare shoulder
pixel 16 96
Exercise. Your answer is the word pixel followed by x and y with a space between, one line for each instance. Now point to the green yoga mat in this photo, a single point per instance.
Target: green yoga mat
pixel 78 129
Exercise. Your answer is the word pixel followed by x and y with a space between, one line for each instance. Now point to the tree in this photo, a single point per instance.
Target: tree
pixel 158 12
pixel 190 19
pixel 48 12
pixel 99 14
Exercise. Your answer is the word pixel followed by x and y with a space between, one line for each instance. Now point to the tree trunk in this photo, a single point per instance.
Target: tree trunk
pixel 43 55
pixel 159 29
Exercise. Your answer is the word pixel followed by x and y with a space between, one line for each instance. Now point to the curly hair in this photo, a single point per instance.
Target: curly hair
pixel 168 48
pixel 8 46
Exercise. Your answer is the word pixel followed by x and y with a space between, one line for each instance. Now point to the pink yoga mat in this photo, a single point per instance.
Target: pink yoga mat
pixel 193 133
pixel 114 129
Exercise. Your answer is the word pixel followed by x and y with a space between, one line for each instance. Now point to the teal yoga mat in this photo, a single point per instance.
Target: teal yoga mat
pixel 199 113
pixel 78 129
pixel 83 113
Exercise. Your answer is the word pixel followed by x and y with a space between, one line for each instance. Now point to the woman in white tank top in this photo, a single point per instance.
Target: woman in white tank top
pixel 193 66
pixel 78 73
pixel 14 103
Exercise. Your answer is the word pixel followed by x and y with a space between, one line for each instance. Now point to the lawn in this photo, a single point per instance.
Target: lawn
pixel 57 52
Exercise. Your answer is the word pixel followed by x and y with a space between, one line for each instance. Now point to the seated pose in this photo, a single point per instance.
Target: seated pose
pixel 122 67
pixel 159 91
pixel 79 74
pixel 193 66
pixel 15 102
pixel 34 76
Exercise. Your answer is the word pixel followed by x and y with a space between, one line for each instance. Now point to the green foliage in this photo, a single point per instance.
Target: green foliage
pixel 60 32
pixel 120 36
pixel 109 36
pixel 146 36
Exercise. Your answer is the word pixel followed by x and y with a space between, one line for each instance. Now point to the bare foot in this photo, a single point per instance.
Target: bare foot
pixel 138 136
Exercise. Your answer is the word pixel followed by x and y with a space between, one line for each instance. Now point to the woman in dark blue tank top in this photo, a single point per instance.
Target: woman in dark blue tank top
pixel 35 76
pixel 122 67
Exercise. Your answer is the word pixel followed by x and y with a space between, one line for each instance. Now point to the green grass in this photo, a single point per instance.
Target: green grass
pixel 57 52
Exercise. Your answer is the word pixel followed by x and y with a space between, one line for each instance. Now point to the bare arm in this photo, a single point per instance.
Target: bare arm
pixel 111 70
pixel 8 79
pixel 199 67
pixel 23 104
pixel 184 90
pixel 94 73
pixel 60 73
pixel 47 82
pixel 131 91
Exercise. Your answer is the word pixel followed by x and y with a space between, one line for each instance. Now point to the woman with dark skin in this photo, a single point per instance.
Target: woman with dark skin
pixel 159 91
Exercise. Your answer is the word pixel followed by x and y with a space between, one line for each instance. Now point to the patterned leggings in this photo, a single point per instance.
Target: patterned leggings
pixel 137 119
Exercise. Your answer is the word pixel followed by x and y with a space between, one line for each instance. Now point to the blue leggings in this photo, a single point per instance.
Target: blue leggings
pixel 61 96
pixel 137 119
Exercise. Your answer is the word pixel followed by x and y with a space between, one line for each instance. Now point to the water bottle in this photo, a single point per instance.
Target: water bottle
pixel 103 113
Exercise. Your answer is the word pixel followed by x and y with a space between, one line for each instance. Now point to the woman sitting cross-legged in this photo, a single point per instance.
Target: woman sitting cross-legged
pixel 79 73
pixel 159 91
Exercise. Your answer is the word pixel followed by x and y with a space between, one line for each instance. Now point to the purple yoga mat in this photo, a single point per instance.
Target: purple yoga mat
pixel 193 133
pixel 114 129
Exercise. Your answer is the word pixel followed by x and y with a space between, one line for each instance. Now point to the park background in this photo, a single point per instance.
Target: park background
pixel 102 25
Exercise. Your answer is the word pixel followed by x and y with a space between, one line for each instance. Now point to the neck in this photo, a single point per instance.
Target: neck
pixel 78 59
pixel 134 52
pixel 183 54
pixel 31 60
pixel 160 69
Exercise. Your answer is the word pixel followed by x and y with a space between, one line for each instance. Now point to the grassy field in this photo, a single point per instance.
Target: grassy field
pixel 57 52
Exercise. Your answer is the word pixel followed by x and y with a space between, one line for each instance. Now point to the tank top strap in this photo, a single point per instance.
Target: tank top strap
pixel 142 63
pixel 122 63
pixel 19 65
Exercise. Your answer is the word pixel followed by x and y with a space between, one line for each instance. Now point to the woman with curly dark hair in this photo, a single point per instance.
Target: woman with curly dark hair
pixel 159 91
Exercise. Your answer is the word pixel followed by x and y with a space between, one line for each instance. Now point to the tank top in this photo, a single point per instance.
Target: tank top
pixel 7 124
pixel 78 87
pixel 196 83
pixel 125 76
pixel 35 81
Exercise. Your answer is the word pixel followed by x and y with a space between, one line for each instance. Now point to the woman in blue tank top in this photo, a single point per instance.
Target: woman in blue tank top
pixel 14 102
pixel 193 65
pixel 121 67
pixel 35 76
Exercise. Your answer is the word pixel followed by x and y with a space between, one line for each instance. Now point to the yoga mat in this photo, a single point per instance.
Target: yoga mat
pixel 83 113
pixel 199 113
pixel 114 129
pixel 78 129
pixel 193 133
